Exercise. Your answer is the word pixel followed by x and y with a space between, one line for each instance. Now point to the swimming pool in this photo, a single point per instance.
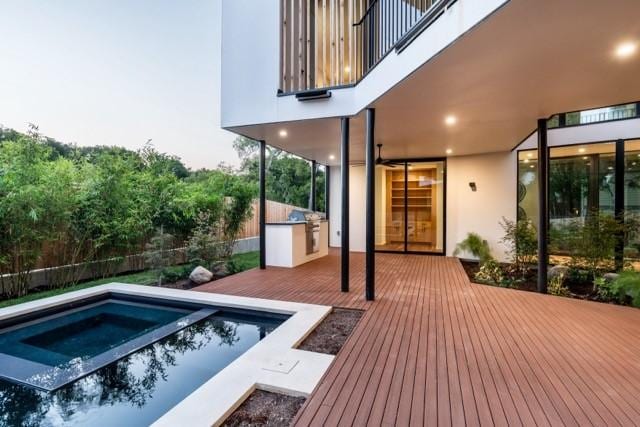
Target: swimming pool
pixel 121 358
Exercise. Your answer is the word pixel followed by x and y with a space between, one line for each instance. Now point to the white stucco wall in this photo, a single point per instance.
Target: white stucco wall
pixel 480 211
pixel 356 209
pixel 251 63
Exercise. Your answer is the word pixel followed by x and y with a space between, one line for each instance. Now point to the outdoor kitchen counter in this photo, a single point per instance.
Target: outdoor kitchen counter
pixel 286 243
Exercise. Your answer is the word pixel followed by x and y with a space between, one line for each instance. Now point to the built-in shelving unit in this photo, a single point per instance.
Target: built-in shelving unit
pixel 414 198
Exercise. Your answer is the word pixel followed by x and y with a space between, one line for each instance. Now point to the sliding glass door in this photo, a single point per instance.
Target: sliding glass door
pixel 410 207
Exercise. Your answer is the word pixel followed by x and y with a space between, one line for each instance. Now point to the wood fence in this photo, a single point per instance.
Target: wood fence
pixel 275 212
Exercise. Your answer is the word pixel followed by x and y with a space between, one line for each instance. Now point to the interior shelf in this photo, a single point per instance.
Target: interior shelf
pixel 418 215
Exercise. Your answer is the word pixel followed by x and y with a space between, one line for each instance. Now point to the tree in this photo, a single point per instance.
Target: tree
pixel 35 201
pixel 288 176
pixel 522 244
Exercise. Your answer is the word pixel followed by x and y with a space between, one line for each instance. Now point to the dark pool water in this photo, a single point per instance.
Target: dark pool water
pixel 137 390
pixel 86 332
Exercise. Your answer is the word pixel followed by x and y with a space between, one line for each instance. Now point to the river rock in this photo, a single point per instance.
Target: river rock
pixel 200 275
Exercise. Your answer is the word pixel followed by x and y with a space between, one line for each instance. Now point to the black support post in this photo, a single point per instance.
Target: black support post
pixel 263 203
pixel 619 203
pixel 344 227
pixel 327 190
pixel 370 162
pixel 543 200
pixel 312 194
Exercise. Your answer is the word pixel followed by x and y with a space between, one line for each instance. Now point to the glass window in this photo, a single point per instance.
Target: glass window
pixel 632 195
pixel 528 185
pixel 617 112
pixel 581 180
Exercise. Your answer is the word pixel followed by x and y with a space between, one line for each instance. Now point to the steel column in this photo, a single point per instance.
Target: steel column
pixel 344 227
pixel 370 161
pixel 619 203
pixel 327 190
pixel 312 194
pixel 263 203
pixel 543 208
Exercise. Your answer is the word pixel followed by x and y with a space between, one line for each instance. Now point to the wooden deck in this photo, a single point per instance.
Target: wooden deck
pixel 434 349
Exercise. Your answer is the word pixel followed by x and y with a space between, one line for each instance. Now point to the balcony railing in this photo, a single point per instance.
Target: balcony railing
pixel 333 43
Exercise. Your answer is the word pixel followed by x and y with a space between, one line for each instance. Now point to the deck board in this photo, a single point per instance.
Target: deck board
pixel 435 349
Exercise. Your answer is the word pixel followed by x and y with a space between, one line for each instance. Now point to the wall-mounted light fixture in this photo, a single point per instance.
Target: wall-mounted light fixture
pixel 473 187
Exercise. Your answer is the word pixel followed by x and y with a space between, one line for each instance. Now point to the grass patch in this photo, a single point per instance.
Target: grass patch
pixel 238 263
pixel 242 262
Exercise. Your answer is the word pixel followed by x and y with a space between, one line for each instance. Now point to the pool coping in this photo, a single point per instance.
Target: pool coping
pixel 273 364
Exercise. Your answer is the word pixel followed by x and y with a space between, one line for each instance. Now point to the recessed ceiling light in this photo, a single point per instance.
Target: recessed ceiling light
pixel 529 154
pixel 450 120
pixel 526 160
pixel 531 166
pixel 610 168
pixel 626 49
pixel 332 157
pixel 581 150
pixel 283 133
pixel 585 158
pixel 449 151
pixel 347 69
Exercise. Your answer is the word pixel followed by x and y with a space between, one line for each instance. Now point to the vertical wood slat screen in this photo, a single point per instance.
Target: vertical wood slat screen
pixel 329 43
pixel 319 44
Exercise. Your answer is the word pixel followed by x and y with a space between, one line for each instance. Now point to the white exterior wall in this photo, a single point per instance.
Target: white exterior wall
pixel 356 208
pixel 480 211
pixel 251 63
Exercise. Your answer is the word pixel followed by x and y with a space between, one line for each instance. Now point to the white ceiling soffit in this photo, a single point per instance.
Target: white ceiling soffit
pixel 529 60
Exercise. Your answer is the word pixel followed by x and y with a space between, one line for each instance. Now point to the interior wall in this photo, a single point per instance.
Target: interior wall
pixel 482 210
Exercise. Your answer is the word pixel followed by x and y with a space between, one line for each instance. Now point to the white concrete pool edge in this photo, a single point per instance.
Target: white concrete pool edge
pixel 272 364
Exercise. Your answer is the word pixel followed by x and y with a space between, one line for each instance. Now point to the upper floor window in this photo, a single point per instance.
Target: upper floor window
pixel 596 115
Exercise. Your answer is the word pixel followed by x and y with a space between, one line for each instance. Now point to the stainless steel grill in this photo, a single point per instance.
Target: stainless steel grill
pixel 312 228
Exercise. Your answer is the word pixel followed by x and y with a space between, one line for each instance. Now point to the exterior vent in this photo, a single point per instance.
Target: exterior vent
pixel 313 95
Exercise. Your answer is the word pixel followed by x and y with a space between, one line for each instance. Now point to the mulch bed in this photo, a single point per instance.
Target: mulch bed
pixel 579 290
pixel 272 409
pixel 263 408
pixel 330 335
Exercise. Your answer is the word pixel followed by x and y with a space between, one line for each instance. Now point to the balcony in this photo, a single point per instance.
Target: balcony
pixel 333 43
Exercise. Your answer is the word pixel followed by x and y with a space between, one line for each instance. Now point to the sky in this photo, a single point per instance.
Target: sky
pixel 116 72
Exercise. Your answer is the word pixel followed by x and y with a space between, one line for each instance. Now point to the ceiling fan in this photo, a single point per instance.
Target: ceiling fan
pixel 380 160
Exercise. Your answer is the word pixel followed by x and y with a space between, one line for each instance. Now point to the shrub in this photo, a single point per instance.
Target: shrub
pixel 603 289
pixel 593 240
pixel 476 246
pixel 203 246
pixel 626 288
pixel 557 286
pixel 159 254
pixel 490 273
pixel 522 245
